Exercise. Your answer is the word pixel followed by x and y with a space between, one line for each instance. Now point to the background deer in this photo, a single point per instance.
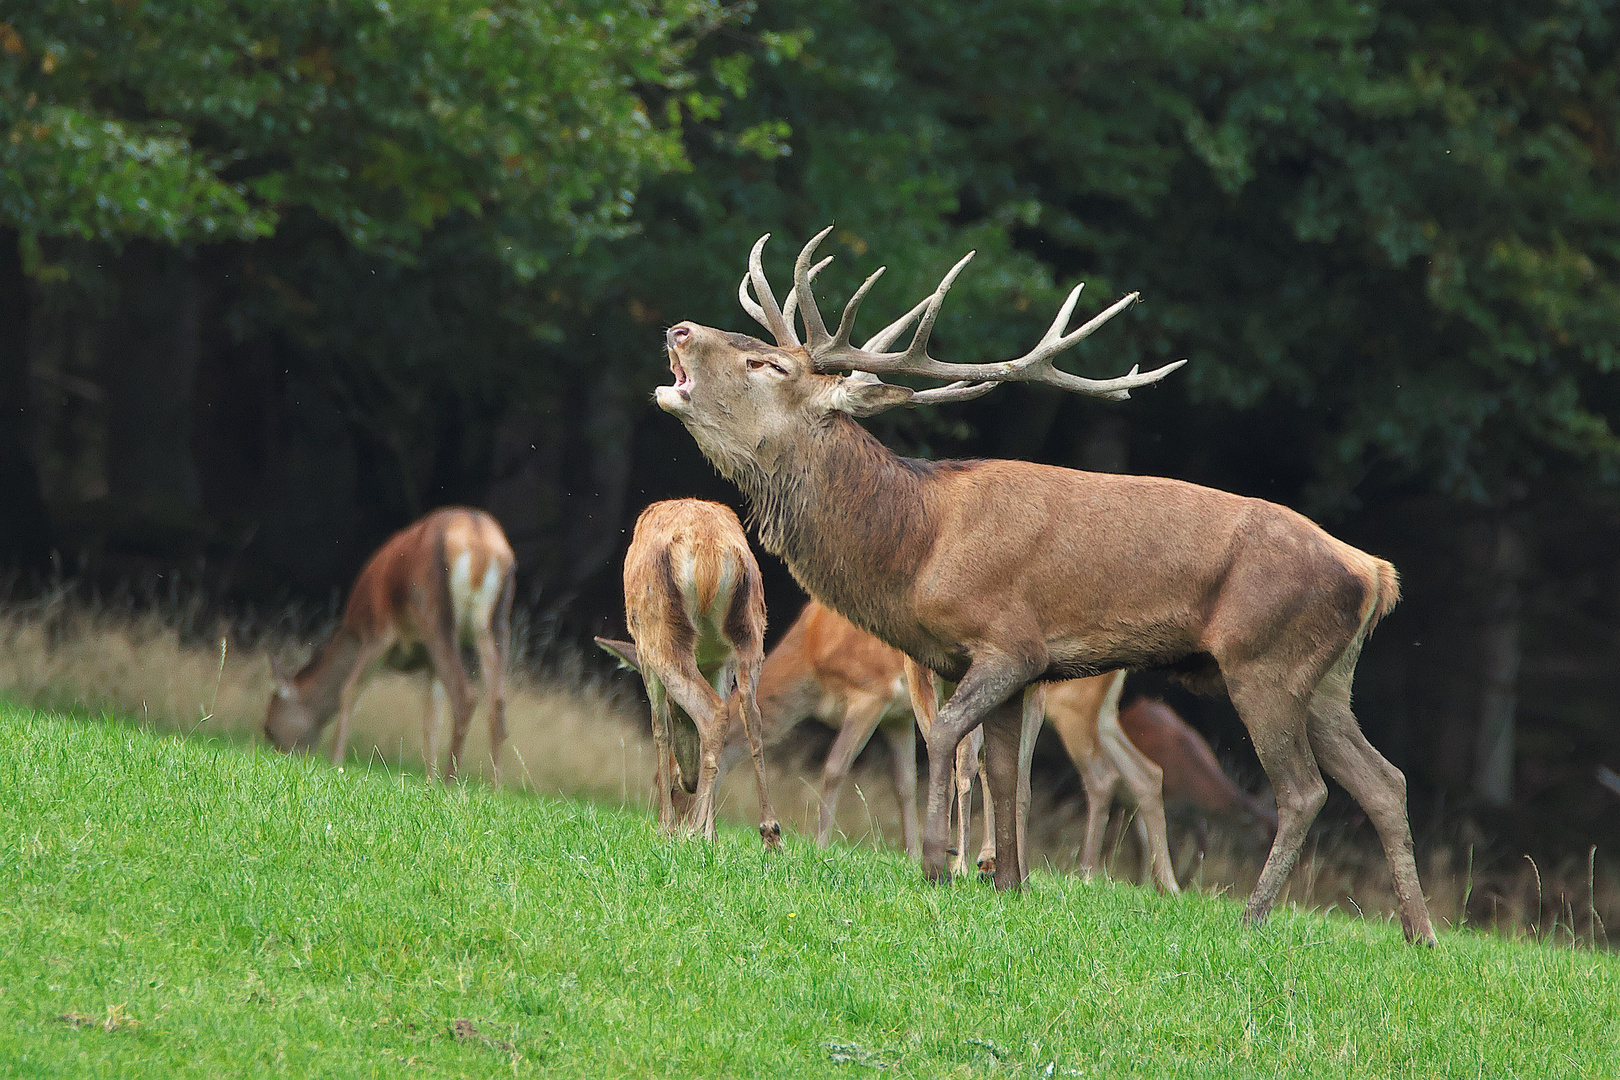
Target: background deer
pixel 695 605
pixel 435 585
pixel 1001 574
pixel 1192 777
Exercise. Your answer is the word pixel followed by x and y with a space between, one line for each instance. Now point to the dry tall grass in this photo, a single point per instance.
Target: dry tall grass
pixel 578 734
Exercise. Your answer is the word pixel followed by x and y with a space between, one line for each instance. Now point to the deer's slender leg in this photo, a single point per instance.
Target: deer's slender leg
pixel 1380 789
pixel 445 653
pixel 685 683
pixel 349 693
pixel 664 776
pixel 990 680
pixel 901 734
pixel 492 668
pixel 1145 780
pixel 1100 779
pixel 860 720
pixel 986 859
pixel 1034 714
pixel 433 715
pixel 1276 721
pixel 746 697
pixel 1002 731
pixel 967 767
pixel 494 650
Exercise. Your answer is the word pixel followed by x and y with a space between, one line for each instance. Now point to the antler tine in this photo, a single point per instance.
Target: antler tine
pixel 885 337
pixel 791 304
pixel 918 349
pixel 815 331
pixel 769 315
pixel 956 391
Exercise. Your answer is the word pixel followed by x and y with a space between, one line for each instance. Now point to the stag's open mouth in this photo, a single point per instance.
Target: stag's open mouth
pixel 683 381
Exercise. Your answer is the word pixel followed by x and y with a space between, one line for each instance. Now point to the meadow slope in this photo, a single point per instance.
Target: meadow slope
pixel 172 907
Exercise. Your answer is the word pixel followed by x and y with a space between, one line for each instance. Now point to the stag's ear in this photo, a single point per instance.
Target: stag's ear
pixel 863 397
pixel 623 651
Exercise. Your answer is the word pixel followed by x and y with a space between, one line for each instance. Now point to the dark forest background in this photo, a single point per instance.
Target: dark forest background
pixel 277 278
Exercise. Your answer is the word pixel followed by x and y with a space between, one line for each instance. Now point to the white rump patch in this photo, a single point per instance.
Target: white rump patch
pixel 473 605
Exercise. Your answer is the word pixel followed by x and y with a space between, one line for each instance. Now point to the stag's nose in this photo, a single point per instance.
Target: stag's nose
pixel 678 335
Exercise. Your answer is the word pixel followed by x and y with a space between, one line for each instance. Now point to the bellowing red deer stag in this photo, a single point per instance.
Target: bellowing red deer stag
pixel 434 585
pixel 695 605
pixel 999 574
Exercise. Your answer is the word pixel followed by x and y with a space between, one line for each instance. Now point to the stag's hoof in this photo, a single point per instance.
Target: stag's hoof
pixel 771 833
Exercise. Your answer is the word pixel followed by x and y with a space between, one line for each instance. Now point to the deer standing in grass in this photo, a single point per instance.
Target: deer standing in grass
pixel 998 575
pixel 695 605
pixel 444 581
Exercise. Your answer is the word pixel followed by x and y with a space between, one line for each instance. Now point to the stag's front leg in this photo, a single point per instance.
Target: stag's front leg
pixel 1002 730
pixel 991 680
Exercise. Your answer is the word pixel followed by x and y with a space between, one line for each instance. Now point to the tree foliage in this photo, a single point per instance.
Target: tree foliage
pixel 201 122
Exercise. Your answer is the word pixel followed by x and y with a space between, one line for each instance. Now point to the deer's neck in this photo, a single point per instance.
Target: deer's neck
pixel 321 682
pixel 852 520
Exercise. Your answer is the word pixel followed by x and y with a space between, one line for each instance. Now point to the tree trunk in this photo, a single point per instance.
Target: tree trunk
pixel 150 364
pixel 1500 648
pixel 25 535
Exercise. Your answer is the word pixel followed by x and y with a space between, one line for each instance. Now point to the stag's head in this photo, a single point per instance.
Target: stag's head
pixel 289 723
pixel 747 400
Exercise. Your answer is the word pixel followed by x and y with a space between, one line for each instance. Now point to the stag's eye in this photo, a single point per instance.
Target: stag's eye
pixel 756 364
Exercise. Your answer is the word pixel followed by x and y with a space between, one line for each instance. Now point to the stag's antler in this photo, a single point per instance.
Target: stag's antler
pixel 833 352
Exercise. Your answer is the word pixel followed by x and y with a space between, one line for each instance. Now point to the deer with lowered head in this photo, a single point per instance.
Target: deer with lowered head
pixel 444 581
pixel 695 604
pixel 1193 778
pixel 998 575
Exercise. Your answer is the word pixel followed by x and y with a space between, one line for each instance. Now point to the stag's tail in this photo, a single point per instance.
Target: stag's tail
pixel 1386 593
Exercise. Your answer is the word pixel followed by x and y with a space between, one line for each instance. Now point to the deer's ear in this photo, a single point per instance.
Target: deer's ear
pixel 860 397
pixel 623 651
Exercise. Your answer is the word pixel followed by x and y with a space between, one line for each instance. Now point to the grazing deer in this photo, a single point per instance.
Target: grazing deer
pixel 695 605
pixel 998 575
pixel 435 585
pixel 1192 776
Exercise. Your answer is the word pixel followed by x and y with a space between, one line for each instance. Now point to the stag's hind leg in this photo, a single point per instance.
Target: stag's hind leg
pixel 494 648
pixel 1276 721
pixel 1377 785
pixel 445 654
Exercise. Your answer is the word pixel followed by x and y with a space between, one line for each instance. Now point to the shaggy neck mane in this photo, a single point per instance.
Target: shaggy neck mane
pixel 851 518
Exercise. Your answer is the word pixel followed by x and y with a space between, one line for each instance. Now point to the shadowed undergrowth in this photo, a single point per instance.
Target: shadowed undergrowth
pixel 177 907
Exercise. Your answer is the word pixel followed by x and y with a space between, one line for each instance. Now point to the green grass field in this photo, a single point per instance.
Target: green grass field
pixel 170 907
